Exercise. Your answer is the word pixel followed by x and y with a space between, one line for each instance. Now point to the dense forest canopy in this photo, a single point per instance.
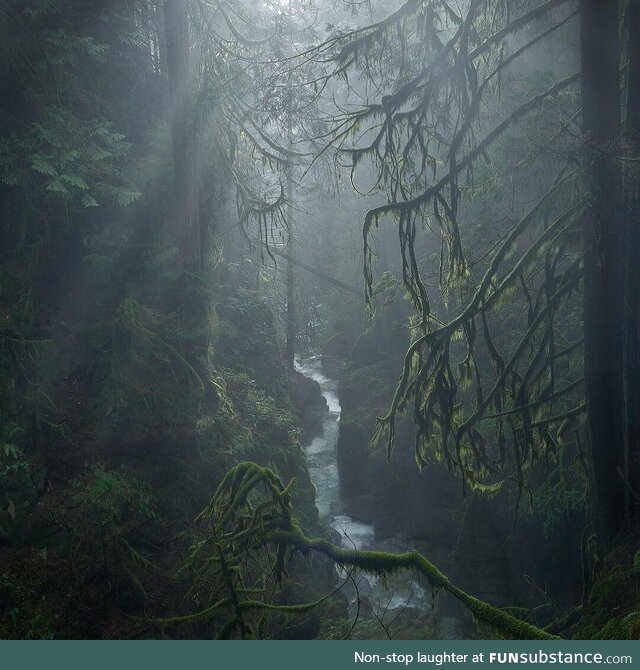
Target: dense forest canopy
pixel 312 311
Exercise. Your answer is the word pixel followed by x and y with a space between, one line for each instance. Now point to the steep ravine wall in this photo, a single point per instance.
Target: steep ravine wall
pixel 479 541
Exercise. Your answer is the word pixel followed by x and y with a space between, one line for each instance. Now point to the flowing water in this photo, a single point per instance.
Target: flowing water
pixel 369 595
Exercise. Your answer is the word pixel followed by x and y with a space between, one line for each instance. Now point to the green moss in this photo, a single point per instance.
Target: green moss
pixel 27 576
pixel 108 497
pixel 150 390
pixel 245 339
pixel 383 563
pixel 143 405
pixel 620 628
pixel 253 506
pixel 613 608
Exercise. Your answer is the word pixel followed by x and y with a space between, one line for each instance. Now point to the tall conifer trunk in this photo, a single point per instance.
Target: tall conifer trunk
pixel 186 298
pixel 632 251
pixel 290 347
pixel 604 260
pixel 184 223
pixel 291 321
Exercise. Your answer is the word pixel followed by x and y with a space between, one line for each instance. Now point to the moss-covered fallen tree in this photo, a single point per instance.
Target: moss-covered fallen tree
pixel 385 563
pixel 249 522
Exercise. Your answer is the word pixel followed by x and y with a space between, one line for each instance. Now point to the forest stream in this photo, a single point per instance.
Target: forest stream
pixel 369 596
pixel 239 239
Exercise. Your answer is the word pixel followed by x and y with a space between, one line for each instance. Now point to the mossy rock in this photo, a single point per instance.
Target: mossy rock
pixel 613 608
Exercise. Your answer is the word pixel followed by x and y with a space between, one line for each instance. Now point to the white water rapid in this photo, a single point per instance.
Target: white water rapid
pixel 382 599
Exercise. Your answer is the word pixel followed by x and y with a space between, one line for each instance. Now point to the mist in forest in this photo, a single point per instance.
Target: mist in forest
pixel 319 319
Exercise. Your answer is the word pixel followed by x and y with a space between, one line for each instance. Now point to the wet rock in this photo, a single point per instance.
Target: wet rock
pixel 482 562
pixel 334 536
pixel 333 366
pixel 395 496
pixel 309 403
pixel 360 508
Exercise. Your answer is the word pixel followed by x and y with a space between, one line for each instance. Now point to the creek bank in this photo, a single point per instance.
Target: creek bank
pixel 402 599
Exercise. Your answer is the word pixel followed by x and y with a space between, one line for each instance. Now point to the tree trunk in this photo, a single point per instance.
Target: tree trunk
pixel 184 220
pixel 290 343
pixel 604 261
pixel 632 246
pixel 290 347
pixel 185 297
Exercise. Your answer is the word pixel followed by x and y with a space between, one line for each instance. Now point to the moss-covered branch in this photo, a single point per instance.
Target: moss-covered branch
pixel 384 563
pixel 250 515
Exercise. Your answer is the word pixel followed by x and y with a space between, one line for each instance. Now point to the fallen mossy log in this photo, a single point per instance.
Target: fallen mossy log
pixel 385 563
pixel 250 515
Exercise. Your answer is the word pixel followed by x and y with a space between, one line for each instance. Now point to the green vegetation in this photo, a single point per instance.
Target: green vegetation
pixel 616 589
pixel 438 200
